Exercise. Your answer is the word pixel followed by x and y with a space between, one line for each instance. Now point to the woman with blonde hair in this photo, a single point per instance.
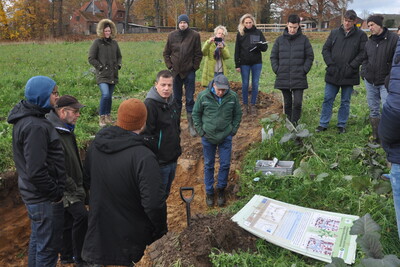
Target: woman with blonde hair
pixel 215 53
pixel 106 58
pixel 250 42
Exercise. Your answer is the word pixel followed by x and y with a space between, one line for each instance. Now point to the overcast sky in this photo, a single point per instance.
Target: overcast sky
pixel 376 6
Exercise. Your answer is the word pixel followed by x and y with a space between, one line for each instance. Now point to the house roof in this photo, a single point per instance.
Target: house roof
pixel 100 11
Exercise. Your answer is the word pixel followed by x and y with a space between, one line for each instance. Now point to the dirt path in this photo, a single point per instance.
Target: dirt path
pixel 14 222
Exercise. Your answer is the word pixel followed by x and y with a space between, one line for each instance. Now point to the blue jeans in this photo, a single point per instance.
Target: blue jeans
pixel 255 78
pixel 106 90
pixel 188 81
pixel 209 151
pixel 375 95
pixel 395 181
pixel 168 175
pixel 331 91
pixel 47 221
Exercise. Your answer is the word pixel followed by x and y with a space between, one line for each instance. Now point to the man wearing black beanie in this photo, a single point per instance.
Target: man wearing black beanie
pixel 182 56
pixel 379 51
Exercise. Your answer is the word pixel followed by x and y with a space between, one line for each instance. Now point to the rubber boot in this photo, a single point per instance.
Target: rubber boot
pixel 192 130
pixel 374 124
pixel 210 200
pixel 102 121
pixel 245 109
pixel 221 197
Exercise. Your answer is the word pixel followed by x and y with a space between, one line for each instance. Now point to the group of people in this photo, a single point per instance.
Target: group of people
pixel 130 166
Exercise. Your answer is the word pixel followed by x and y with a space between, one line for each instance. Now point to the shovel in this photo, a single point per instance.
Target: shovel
pixel 187 200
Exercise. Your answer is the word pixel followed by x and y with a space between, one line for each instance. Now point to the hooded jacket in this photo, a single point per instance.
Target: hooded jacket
pixel 389 127
pixel 291 59
pixel 378 57
pixel 38 154
pixel 105 55
pixel 248 49
pixel 343 54
pixel 216 118
pixel 127 198
pixel 182 52
pixel 209 61
pixel 74 191
pixel 163 124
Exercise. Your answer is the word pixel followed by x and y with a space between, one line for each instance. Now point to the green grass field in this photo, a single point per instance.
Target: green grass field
pixel 351 186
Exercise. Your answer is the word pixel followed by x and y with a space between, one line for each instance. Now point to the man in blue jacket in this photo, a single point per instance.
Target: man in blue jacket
pixel 389 129
pixel 39 159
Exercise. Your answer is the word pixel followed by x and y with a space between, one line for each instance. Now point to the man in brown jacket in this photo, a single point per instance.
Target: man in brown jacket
pixel 182 56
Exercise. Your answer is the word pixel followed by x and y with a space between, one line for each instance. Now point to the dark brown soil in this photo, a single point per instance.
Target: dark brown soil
pixel 196 242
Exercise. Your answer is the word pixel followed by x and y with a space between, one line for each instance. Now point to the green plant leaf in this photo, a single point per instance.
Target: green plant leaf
pixel 321 177
pixel 360 183
pixel 337 262
pixel 373 145
pixel 289 125
pixel 356 153
pixel 363 225
pixel 303 133
pixel 334 165
pixel 348 177
pixel 371 245
pixel 299 172
pixel 287 137
pixel 382 187
pixel 387 261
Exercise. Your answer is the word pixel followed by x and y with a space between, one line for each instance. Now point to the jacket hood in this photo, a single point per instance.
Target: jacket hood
pixel 153 94
pixel 24 109
pixel 113 139
pixel 38 90
pixel 100 28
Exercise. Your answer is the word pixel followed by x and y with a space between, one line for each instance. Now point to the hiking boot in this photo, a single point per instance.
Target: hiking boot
pixel 221 197
pixel 192 130
pixel 245 109
pixel 341 130
pixel 321 129
pixel 102 121
pixel 374 124
pixel 253 110
pixel 210 200
pixel 108 119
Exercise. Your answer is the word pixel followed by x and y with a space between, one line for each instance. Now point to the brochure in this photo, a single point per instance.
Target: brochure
pixel 314 233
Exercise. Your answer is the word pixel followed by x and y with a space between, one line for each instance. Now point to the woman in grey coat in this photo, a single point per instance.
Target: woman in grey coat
pixel 291 59
pixel 105 56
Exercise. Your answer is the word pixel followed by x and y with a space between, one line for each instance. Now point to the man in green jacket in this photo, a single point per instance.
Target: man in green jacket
pixel 216 116
pixel 63 118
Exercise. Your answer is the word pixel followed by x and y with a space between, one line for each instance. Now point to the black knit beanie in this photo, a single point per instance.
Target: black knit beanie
pixel 377 19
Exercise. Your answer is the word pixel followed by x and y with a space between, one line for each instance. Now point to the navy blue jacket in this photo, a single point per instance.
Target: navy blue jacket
pixel 389 127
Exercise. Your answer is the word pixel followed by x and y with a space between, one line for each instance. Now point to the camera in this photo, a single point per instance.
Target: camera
pixel 217 39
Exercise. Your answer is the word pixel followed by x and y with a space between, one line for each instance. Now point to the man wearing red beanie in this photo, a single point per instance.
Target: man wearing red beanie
pixel 127 198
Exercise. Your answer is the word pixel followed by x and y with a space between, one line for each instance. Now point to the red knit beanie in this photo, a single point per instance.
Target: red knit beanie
pixel 132 114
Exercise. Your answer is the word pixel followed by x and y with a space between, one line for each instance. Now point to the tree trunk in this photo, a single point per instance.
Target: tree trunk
pixel 109 5
pixel 60 21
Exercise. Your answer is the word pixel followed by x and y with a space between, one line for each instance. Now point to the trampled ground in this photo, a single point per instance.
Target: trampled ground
pixel 215 231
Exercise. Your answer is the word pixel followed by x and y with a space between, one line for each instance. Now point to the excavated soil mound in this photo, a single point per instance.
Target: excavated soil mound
pixel 193 245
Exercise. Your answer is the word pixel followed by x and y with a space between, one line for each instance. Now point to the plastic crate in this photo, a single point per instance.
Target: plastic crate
pixel 282 168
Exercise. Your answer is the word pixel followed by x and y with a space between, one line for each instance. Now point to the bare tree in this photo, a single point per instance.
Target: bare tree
pixel 128 5
pixel 60 16
pixel 109 7
pixel 365 14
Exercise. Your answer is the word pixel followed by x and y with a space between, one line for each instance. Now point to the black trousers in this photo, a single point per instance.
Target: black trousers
pixel 75 227
pixel 293 101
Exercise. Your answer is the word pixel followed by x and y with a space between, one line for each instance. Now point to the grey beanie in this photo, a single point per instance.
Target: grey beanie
pixel 183 17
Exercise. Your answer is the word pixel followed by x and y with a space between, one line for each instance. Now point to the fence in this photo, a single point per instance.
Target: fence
pixel 276 27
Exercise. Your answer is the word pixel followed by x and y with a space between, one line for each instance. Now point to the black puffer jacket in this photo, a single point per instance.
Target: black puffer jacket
pixel 163 123
pixel 247 51
pixel 378 57
pixel 127 198
pixel 38 154
pixel 389 127
pixel 343 55
pixel 291 59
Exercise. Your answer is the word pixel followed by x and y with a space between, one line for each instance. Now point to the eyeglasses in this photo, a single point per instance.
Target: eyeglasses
pixel 55 93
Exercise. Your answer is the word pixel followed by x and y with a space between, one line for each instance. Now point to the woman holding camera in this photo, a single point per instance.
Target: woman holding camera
pixel 250 42
pixel 214 52
pixel 105 56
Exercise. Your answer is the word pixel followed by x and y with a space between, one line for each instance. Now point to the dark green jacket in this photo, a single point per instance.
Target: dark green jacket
pixel 105 56
pixel 74 191
pixel 216 120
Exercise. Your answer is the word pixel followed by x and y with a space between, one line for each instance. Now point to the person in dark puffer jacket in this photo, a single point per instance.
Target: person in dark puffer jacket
pixel 376 66
pixel 291 59
pixel 343 54
pixel 39 159
pixel 250 42
pixel 389 129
